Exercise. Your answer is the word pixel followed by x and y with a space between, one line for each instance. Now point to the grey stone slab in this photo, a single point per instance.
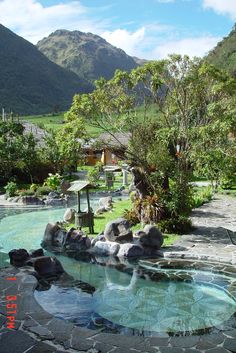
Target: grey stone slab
pixel 217 350
pixel 81 344
pixel 171 350
pixel 203 345
pixel 230 344
pixel 84 332
pixel 29 323
pixel 185 342
pixel 60 329
pixel 41 347
pixel 231 333
pixel 123 350
pixel 214 338
pixel 41 316
pixel 42 332
pixel 103 347
pixel 2 320
pixel 192 350
pixel 158 341
pixel 119 340
pixel 15 342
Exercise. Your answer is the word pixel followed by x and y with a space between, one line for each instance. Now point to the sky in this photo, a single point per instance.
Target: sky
pixel 148 29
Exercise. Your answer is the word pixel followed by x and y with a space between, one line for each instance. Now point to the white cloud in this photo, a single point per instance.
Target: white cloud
pixel 191 46
pixel 34 21
pixel 225 7
pixel 128 41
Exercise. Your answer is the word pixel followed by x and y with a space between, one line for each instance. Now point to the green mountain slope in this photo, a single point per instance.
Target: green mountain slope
pixel 29 82
pixel 223 55
pixel 86 54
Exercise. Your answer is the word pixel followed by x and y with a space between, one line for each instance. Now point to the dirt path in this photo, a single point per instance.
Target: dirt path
pixel 209 239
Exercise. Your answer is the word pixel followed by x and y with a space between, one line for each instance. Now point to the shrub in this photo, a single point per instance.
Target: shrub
pixel 53 181
pixel 43 190
pixel 27 192
pixel 202 196
pixel 11 189
pixel 177 225
pixel 94 174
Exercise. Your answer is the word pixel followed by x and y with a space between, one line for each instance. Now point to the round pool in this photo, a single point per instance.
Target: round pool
pixel 144 299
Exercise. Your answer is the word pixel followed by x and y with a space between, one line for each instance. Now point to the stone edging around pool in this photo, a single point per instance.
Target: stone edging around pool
pixel 37 331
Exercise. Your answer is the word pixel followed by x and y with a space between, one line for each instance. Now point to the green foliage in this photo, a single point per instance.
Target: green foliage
pixel 177 225
pixel 93 174
pixel 43 190
pixel 27 192
pixel 11 189
pixel 201 196
pixel 188 130
pixel 53 181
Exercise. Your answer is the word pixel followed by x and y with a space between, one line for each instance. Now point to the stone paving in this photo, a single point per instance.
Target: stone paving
pixel 36 331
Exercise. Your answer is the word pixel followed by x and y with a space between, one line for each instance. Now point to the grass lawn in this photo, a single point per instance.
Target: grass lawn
pixel 118 210
pixel 55 122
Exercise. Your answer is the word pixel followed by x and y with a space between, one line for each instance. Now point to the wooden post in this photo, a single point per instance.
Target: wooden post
pixel 87 194
pixel 78 200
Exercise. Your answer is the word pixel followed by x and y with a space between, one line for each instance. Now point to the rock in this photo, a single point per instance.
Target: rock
pixel 130 250
pixel 53 195
pixel 53 235
pixel 119 227
pixel 77 240
pixel 150 237
pixel 100 210
pixel 36 253
pixel 99 237
pixel 18 257
pixel 47 266
pixel 55 202
pixel 69 215
pixel 31 200
pixel 105 202
pixel 106 248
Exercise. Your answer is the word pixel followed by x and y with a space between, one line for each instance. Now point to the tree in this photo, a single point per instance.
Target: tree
pixel 63 147
pixel 171 110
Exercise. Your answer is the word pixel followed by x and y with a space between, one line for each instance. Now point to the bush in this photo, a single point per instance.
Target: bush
pixel 27 192
pixel 53 181
pixel 202 196
pixel 11 189
pixel 94 174
pixel 43 190
pixel 177 225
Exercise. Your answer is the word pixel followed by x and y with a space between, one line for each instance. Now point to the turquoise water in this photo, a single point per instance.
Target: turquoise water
pixel 121 297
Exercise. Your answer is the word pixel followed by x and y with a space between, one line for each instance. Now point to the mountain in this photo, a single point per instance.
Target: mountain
pixel 29 82
pixel 86 54
pixel 223 55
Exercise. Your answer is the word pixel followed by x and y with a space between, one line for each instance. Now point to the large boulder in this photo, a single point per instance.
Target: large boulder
pixel 54 235
pixel 69 215
pixel 105 202
pixel 77 240
pixel 99 237
pixel 106 248
pixel 18 257
pixel 150 237
pixel 130 250
pixel 31 200
pixel 47 266
pixel 118 230
pixel 55 202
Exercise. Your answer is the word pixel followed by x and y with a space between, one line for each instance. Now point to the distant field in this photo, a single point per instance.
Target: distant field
pixel 55 122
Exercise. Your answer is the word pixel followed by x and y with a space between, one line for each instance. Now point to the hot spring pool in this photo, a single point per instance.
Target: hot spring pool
pixel 142 298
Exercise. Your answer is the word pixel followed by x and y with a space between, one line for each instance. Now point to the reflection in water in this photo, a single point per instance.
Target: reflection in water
pixel 126 300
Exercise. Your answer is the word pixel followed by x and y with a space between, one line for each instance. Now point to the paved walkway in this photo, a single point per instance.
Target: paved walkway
pixel 209 239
